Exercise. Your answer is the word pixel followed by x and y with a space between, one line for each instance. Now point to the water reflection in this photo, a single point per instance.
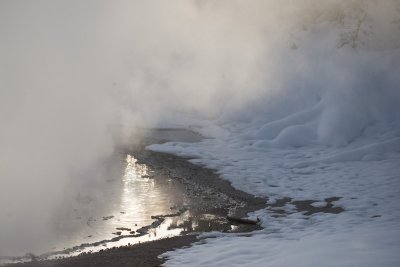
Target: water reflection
pixel 126 210
pixel 141 195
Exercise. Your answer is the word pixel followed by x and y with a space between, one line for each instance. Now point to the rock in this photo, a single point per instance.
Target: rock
pixel 123 229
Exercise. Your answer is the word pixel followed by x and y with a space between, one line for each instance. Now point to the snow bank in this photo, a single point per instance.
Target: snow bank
pixel 329 128
pixel 357 248
pixel 275 128
pixel 364 174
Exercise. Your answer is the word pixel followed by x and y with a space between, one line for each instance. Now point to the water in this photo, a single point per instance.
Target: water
pixel 124 207
pixel 132 201
pixel 142 204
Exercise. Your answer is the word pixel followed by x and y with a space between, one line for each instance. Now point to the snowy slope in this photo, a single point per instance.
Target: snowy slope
pixel 330 130
pixel 365 174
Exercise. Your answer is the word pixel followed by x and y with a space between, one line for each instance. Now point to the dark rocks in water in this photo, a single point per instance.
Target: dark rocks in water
pixel 243 221
pixel 308 209
pixel 161 217
pixel 143 230
pixel 105 218
pixel 123 229
pixel 117 233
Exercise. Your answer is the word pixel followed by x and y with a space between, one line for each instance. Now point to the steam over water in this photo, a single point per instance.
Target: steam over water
pixel 77 78
pixel 119 206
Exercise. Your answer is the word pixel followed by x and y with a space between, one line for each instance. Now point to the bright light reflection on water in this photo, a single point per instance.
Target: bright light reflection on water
pixel 119 212
pixel 127 203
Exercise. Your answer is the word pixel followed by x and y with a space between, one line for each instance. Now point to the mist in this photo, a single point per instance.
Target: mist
pixel 76 77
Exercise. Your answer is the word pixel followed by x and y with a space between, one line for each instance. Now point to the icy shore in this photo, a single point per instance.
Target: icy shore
pixel 364 174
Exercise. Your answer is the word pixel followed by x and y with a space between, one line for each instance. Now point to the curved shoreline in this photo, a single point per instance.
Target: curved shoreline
pixel 203 184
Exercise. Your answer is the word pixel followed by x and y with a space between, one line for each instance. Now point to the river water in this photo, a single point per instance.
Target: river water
pixel 141 204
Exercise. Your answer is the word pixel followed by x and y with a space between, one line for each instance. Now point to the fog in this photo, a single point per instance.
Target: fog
pixel 78 76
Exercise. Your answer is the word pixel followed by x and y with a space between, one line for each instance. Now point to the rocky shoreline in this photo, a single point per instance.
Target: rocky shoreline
pixel 209 194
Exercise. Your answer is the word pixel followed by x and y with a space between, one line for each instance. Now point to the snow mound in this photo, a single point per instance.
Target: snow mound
pixel 294 136
pixel 274 129
pixel 370 152
pixel 375 151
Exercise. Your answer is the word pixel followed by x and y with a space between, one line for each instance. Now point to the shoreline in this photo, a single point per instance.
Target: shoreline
pixel 198 180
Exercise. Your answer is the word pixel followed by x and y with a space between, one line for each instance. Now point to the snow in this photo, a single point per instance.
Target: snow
pixel 320 151
pixel 331 129
pixel 365 175
pixel 286 158
pixel 363 249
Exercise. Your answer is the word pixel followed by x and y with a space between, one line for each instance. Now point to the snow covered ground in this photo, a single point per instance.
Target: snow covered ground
pixel 339 139
pixel 365 174
pixel 327 126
